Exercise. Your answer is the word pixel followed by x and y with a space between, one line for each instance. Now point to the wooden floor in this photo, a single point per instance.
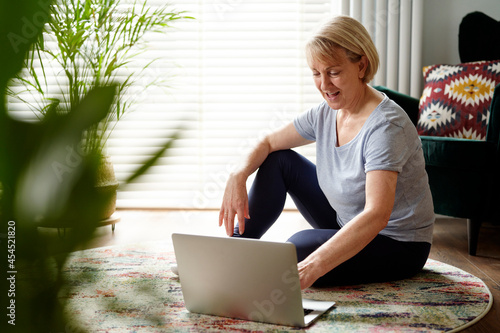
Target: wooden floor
pixel 449 246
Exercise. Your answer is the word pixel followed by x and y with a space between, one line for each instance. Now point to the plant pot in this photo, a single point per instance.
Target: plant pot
pixel 107 186
pixel 106 191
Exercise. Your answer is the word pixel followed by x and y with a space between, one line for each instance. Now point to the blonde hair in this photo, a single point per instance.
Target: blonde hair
pixel 344 32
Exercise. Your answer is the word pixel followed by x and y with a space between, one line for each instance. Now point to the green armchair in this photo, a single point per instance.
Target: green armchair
pixel 464 174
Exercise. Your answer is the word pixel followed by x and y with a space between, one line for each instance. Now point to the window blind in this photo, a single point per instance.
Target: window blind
pixel 234 73
pixel 231 75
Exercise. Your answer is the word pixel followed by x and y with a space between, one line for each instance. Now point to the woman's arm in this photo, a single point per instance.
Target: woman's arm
pixel 235 201
pixel 358 233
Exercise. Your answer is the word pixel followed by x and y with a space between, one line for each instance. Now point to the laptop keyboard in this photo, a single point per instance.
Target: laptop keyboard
pixel 307 311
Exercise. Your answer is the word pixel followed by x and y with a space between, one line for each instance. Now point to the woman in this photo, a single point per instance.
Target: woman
pixel 368 198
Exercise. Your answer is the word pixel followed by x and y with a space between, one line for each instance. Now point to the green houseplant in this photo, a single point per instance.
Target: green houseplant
pixel 30 190
pixel 91 43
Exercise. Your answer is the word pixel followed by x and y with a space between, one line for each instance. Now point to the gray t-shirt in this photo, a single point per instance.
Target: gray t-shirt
pixel 387 141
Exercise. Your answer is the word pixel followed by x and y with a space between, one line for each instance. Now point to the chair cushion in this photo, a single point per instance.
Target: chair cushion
pixel 456 99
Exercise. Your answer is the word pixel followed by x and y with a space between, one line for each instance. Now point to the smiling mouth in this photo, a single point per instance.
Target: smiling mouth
pixel 332 95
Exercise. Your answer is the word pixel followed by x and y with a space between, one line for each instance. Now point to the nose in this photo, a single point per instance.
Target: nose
pixel 325 82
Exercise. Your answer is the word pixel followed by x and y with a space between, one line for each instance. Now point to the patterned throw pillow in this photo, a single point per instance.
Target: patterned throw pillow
pixel 456 99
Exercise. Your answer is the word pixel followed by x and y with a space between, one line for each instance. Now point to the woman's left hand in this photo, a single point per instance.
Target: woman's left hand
pixel 308 273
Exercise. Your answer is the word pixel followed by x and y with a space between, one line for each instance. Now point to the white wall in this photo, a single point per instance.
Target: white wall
pixel 441 22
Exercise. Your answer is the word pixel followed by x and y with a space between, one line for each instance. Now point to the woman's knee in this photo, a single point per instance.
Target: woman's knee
pixel 307 241
pixel 279 158
pixel 289 165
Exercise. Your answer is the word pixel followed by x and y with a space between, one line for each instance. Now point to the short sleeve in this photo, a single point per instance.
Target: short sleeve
pixel 387 148
pixel 306 123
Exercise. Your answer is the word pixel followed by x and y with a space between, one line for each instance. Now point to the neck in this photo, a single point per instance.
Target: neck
pixel 366 101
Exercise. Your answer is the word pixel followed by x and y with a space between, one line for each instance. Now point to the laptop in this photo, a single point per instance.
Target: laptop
pixel 243 278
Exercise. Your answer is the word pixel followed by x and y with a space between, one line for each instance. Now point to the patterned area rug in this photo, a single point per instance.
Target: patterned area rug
pixel 127 289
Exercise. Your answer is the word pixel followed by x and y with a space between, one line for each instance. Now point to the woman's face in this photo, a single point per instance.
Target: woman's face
pixel 339 82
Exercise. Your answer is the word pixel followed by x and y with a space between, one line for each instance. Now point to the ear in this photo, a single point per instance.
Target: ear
pixel 363 65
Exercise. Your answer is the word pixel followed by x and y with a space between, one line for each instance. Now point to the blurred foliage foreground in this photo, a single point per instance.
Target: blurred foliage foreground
pixel 35 190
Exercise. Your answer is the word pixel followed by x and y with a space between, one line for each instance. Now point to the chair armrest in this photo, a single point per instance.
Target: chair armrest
pixel 456 153
pixel 406 102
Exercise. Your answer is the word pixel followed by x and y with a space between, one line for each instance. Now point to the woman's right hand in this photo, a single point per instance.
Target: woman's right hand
pixel 234 203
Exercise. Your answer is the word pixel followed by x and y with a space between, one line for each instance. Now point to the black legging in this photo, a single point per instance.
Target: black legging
pixel 384 259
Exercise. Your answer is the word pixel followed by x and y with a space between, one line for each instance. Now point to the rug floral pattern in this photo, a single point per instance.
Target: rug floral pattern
pixel 132 288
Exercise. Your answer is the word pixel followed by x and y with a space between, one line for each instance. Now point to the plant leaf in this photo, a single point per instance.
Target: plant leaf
pixel 145 165
pixel 43 185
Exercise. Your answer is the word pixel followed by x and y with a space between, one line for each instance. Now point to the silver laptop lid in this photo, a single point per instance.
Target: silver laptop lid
pixel 240 278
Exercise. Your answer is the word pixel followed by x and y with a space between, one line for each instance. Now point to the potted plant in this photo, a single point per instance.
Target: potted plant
pixel 33 277
pixel 91 42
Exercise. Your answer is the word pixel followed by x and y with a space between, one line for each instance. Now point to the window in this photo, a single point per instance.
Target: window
pixel 231 75
pixel 234 73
